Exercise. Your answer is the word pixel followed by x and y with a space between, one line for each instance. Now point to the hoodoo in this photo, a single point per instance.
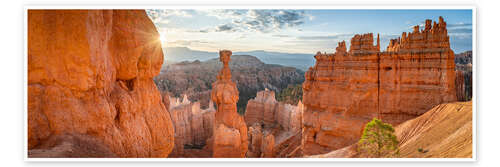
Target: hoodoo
pixel 274 127
pixel 230 138
pixel 346 89
pixel 90 80
pixel 193 125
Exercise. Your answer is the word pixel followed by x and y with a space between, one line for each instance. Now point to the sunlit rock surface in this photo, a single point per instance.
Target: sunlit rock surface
pixel 346 89
pixel 270 120
pixel 230 138
pixel 90 74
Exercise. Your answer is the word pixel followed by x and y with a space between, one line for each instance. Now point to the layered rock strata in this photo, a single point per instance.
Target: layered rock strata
pixel 90 74
pixel 346 89
pixel 266 111
pixel 273 126
pixel 230 138
pixel 193 126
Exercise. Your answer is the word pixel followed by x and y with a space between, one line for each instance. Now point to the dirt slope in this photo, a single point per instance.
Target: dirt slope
pixel 445 131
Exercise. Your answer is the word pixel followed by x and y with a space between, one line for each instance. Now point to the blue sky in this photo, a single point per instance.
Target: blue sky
pixel 297 31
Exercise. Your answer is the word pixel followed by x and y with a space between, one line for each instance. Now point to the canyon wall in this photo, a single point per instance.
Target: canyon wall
pixel 90 74
pixel 346 89
pixel 193 126
pixel 273 126
pixel 230 138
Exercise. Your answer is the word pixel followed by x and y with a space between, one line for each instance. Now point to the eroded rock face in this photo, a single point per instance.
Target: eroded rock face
pixel 268 112
pixel 90 73
pixel 463 68
pixel 273 126
pixel 230 138
pixel 346 89
pixel 193 126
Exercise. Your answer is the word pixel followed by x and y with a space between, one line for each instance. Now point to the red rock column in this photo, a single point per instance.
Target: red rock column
pixel 230 131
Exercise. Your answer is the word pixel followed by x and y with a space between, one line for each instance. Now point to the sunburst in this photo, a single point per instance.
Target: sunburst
pixel 163 38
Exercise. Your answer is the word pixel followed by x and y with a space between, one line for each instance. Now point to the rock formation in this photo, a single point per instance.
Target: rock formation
pixel 274 121
pixel 268 112
pixel 90 74
pixel 346 89
pixel 230 138
pixel 193 126
pixel 249 73
pixel 463 68
pixel 255 137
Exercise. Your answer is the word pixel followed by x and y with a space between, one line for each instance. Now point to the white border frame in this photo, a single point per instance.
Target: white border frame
pixel 326 7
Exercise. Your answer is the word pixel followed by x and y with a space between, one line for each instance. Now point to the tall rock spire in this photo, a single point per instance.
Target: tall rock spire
pixel 378 42
pixel 230 131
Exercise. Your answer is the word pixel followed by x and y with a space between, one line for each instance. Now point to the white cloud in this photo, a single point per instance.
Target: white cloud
pixel 162 17
pixel 257 20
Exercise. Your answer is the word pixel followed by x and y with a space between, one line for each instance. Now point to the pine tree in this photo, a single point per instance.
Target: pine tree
pixel 378 140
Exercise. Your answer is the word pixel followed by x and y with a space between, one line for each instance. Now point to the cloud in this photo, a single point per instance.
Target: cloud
pixel 326 37
pixel 257 20
pixel 460 30
pixel 238 20
pixel 223 13
pixel 163 16
pixel 269 20
pixel 224 28
pixel 187 42
pixel 460 24
pixel 281 36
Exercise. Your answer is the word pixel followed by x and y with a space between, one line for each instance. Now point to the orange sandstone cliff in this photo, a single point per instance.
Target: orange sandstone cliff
pixel 346 89
pixel 230 138
pixel 90 74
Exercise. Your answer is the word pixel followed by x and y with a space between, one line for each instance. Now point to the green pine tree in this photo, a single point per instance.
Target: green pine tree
pixel 378 140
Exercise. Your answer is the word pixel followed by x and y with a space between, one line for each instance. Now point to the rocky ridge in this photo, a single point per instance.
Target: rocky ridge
pixel 346 89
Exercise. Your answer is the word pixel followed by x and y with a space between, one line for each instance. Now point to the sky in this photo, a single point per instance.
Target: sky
pixel 297 31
